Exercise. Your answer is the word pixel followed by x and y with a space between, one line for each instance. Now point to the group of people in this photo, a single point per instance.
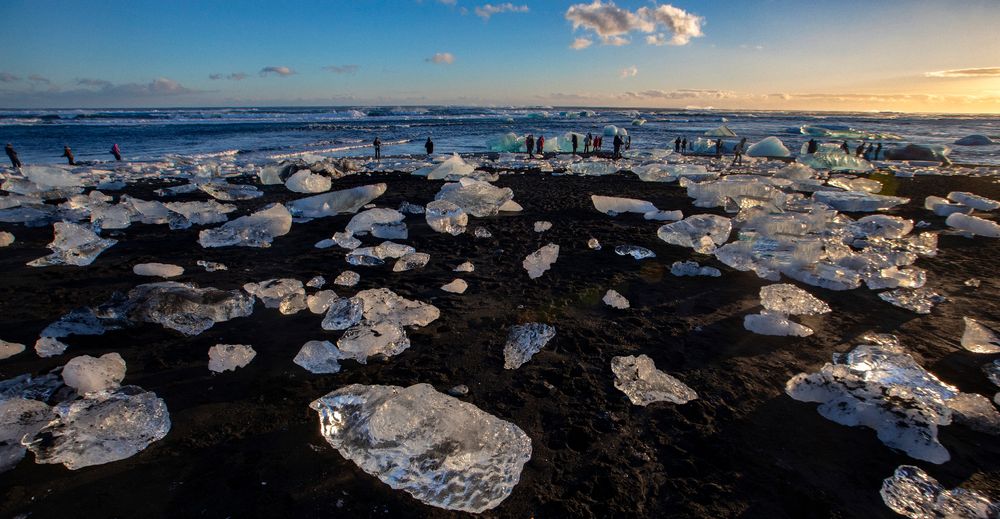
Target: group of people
pixel 15 161
pixel 869 152
pixel 591 144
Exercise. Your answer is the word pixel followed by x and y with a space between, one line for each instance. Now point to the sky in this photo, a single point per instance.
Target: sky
pixel 889 55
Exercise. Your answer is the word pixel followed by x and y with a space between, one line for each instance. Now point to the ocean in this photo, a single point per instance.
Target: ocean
pixel 258 135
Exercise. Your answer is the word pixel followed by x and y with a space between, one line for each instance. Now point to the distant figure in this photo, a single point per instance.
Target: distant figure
pixel 677 145
pixel 116 152
pixel 529 142
pixel 738 152
pixel 587 142
pixel 860 149
pixel 628 142
pixel 684 143
pixel 68 153
pixel 429 146
pixel 868 151
pixel 576 142
pixel 878 150
pixel 718 148
pixel 617 146
pixel 846 148
pixel 12 155
pixel 540 146
pixel 378 148
pixel 597 143
pixel 812 146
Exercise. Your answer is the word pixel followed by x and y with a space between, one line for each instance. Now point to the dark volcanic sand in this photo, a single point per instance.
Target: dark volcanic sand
pixel 245 444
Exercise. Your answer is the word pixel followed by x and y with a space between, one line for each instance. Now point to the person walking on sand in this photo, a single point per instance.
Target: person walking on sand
pixel 738 152
pixel 540 145
pixel 429 146
pixel 12 155
pixel 378 148
pixel 684 144
pixel 860 149
pixel 587 142
pixel 68 153
pixel 878 149
pixel 677 145
pixel 868 151
pixel 718 148
pixel 812 147
pixel 617 143
pixel 116 152
pixel 576 142
pixel 529 143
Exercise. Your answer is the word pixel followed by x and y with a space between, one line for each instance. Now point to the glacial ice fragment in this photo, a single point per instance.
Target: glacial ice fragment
pixel 768 147
pixel 701 232
pixel 451 168
pixel 789 299
pixel 370 338
pixel 347 278
pixel 446 217
pixel 183 306
pixel 692 268
pixel 524 341
pixel 442 451
pixel 273 291
pixel 163 270
pixel 541 260
pixel 974 225
pixel 73 245
pixel 774 324
pixel 482 233
pixel 211 266
pixel 911 492
pixel 465 267
pixel 919 300
pixel 365 221
pixel 316 282
pixel 343 313
pixel 87 374
pixel 978 338
pixel 384 305
pixel 319 302
pixel 228 357
pixel 305 181
pixel 858 201
pixel 542 226
pixel 411 261
pixel 643 384
pixel 9 349
pixel 637 252
pixel 6 239
pixel 593 244
pixel 475 197
pixel 51 176
pixel 49 347
pixel 320 357
pixel 255 230
pixel 944 207
pixel 230 192
pixel 335 202
pixel 616 205
pixel 19 417
pixel 974 140
pixel 456 286
pixel 615 300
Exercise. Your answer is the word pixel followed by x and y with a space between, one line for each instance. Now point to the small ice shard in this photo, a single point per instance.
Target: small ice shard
pixel 19 417
pixel 305 181
pixel 976 412
pixel 524 341
pixel 911 492
pixel 446 217
pixel 973 282
pixel 335 202
pixel 293 304
pixel 663 216
pixel 255 230
pixel 316 282
pixel 541 260
pixel 228 357
pixel 365 221
pixel 456 286
pixel 81 321
pixel 184 307
pixel 475 197
pixel 542 226
pixel 346 240
pixel 482 232
pixel 369 338
pixel 639 379
pixel 637 252
pixel 974 225
pixel 944 207
pixel 701 232
pixel 230 192
pixel 319 302
pixel 320 357
pixel 211 266
pixel 443 451
pixel 87 374
pixel 978 338
pixel 919 300
pixel 788 299
pixel 858 201
pixel 9 349
pixel 100 428
pixel 774 324
pixel 343 313
pixel 511 207
pixel 465 267
pixel 692 268
pixel 768 147
pixel 593 244
pixel 615 300
pixel 409 208
pixel 198 213
pixel 453 167
pixel 163 270
pixel 347 278
pixel 411 261
pixel 459 390
pixel 6 239
pixel 612 206
pixel 49 347
pixel 73 245
pixel 273 291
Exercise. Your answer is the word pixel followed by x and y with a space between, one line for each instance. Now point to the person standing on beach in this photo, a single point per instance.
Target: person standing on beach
pixel 597 144
pixel 429 146
pixel 587 142
pixel 878 150
pixel 540 146
pixel 628 142
pixel 684 143
pixel 677 145
pixel 378 148
pixel 68 153
pixel 576 142
pixel 718 148
pixel 617 144
pixel 116 152
pixel 860 149
pixel 529 143
pixel 812 146
pixel 12 155
pixel 846 148
pixel 738 152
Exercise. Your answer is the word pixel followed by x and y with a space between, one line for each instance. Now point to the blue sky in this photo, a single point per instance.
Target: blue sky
pixel 893 54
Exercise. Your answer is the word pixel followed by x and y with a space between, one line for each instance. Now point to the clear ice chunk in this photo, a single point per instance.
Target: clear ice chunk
pixel 347 278
pixel 974 225
pixel 228 357
pixel 524 341
pixel 615 300
pixel 911 492
pixel 184 307
pixel 211 266
pixel 613 205
pixel 19 417
pixel 475 197
pixel 769 147
pixel 368 338
pixel 858 201
pixel 944 207
pixel 446 217
pixel 320 302
pixel 88 374
pixel 701 232
pixel 230 192
pixel 255 230
pixel 320 357
pixel 73 245
pixel 541 260
pixel 343 313
pixel 978 338
pixel 273 291
pixel 365 221
pixel 774 324
pixel 979 203
pixel 336 202
pixel 639 379
pixel 692 268
pixel 788 299
pixel 919 300
pixel 162 270
pixel 305 181
pixel 637 252
pixel 456 286
pixel 411 261
pixel 316 282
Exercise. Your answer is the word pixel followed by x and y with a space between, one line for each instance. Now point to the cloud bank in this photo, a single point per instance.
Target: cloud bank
pixel 663 24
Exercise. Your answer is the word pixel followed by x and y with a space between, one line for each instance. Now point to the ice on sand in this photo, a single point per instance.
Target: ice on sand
pixel 451 168
pixel 702 232
pixel 19 417
pixel 228 357
pixel 9 349
pixel 73 245
pixel 230 192
pixel 978 338
pixel 979 203
pixel 51 176
pixel 443 451
pixel 769 147
pixel 316 282
pixel 465 267
pixel 788 299
pixel 163 270
pixel 6 239
pixel 49 347
pixel 273 292
pixel 336 202
pixel 411 261
pixel 305 181
pixel 456 286
pixel 611 205
pixel 974 225
pixel 319 302
pixel 692 268
pixel 858 201
pixel 183 306
pixel 343 313
pixel 102 427
pixel 211 266
pixel 87 374
pixel 541 260
pixel 475 197
pixel 366 221
pixel 320 357
pixel 446 217
pixel 255 230
pixel 615 300
pixel 542 226
pixel 639 379
pixel 593 244
pixel 911 492
pixel 524 341
pixel 944 207
pixel 637 252
pixel 774 324
pixel 375 321
pixel 347 278
pixel 919 300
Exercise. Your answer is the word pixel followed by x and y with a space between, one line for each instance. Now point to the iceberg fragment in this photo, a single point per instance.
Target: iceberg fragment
pixel 788 299
pixel 88 374
pixel 643 384
pixel 255 230
pixel 615 300
pixel 9 349
pixel 335 202
pixel 973 225
pixel 911 492
pixel 769 147
pixel 637 252
pixel 320 357
pixel 541 260
pixel 612 206
pixel 305 181
pixel 411 261
pixel 774 324
pixel 230 192
pixel 475 197
pixel 347 278
pixel 701 232
pixel 542 226
pixel 273 292
pixel 163 270
pixel 692 268
pixel 183 306
pixel 524 341
pixel 456 286
pixel 978 338
pixel 446 217
pixel 858 201
pixel 19 418
pixel 73 245
pixel 228 357
pixel 979 203
pixel 919 300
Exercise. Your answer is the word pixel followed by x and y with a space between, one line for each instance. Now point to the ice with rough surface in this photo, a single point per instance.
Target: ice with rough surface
pixel 456 286
pixel 611 205
pixel 919 300
pixel 858 201
pixel 615 300
pixel 944 207
pixel 366 221
pixel 336 202
pixel 789 299
pixel 836 161
pixel 320 357
pixel 542 226
pixel 163 270
pixel 305 181
pixel 637 252
pixel 593 244
pixel 6 239
pixel 343 313
pixel 87 374
pixel 446 217
pixel 541 260
pixel 369 338
pixel 769 147
pixel 692 268
pixel 230 192
pixel 979 203
pixel 443 451
pixel 978 338
pixel 273 292
pixel 974 225
pixel 701 232
pixel 451 168
pixel 73 245
pixel 475 197
pixel 384 305
pixel 639 379
pixel 465 267
pixel 255 230
pixel 81 321
pixel 100 428
pixel 347 278
pixel 774 324
pixel 228 357
pixel 411 261
pixel 19 417
pixel 211 266
pixel 524 341
pixel 51 176
pixel 316 282
pixel 911 492
pixel 9 349
pixel 183 306
pixel 49 347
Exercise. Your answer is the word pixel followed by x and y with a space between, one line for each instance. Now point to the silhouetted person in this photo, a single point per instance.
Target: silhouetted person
pixel 860 149
pixel 846 148
pixel 738 152
pixel 429 146
pixel 597 143
pixel 868 151
pixel 812 146
pixel 677 145
pixel 68 153
pixel 12 155
pixel 540 145
pixel 529 143
pixel 878 150
pixel 378 148
pixel 587 142
pixel 718 148
pixel 576 142
pixel 684 143
pixel 628 142
pixel 616 143
pixel 117 152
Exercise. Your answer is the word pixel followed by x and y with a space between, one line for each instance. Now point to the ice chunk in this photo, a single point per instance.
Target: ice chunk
pixel 51 177
pixel 347 278
pixel 9 349
pixel 978 338
pixel 701 232
pixel 456 286
pixel 211 266
pixel 273 292
pixel 384 305
pixel 6 239
pixel 912 493
pixel 305 181
pixel 465 267
pixel 408 208
pixel 316 282
pixel 611 205
pixel 73 245
pixel 230 192
pixel 664 216
pixel 919 300
pixel 866 185
pixel 367 339
pixel 511 207
pixel 774 324
pixel 184 307
pixel 293 304
pixel 593 167
pixel 881 226
pixel 542 226
pixel 973 282
pixel 974 225
pixel 336 202
pixel 836 161
pixel 637 252
pixel 343 313
pixel 692 268
pixel 483 233
pixel 541 260
pixel 615 300
pixel 858 201
pixel 769 147
pixel 320 357
pixel 943 207
pixel 446 217
pixel 163 270
pixel 87 374
pixel 975 140
pixel 791 300
pixel 451 168
pixel 365 221
pixel 81 321
pixel 639 379
pixel 19 417
pixel 980 203
pixel 228 357
pixel 524 341
pixel 975 412
pixel 935 153
pixel 593 244
pixel 378 254
pixel 104 216
pixel 443 451
pixel 659 172
pixel 475 197
pixel 199 213
pixel 796 171
pixel 506 143
pixel 49 347
pixel 320 301
pixel 411 261
pixel 255 230
pixel 100 428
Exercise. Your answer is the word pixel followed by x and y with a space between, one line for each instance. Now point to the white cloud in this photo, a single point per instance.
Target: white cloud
pixel 657 39
pixel 612 23
pixel 487 10
pixel 581 43
pixel 629 72
pixel 278 71
pixel 442 58
pixel 680 23
pixel 966 73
